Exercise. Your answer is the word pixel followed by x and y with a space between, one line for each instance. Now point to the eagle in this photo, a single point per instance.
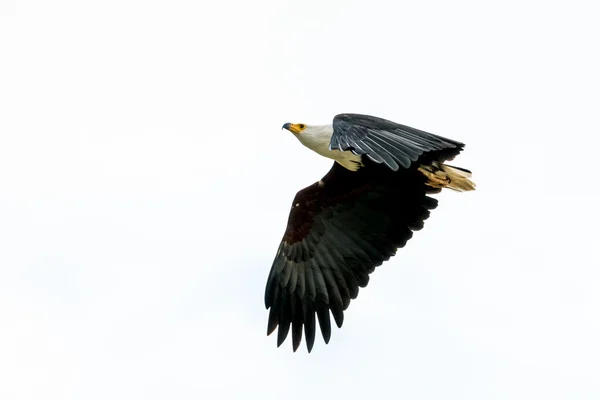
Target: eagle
pixel 353 219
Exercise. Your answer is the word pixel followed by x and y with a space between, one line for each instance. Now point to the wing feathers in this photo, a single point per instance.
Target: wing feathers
pixel 273 315
pixel 291 285
pixel 335 298
pixel 309 324
pixel 320 285
pixel 324 322
pixel 309 276
pixel 284 318
pixel 379 154
pixel 286 273
pixel 297 320
pixel 301 286
pixel 387 142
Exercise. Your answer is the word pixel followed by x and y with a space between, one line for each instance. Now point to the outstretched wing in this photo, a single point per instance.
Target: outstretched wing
pixel 387 142
pixel 339 230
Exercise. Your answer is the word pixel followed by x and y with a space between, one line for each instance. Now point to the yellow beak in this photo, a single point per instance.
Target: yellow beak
pixel 294 128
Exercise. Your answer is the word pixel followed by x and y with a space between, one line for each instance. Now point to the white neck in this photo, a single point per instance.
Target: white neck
pixel 318 137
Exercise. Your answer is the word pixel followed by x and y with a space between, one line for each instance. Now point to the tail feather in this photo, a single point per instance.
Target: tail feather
pixel 459 178
pixel 446 176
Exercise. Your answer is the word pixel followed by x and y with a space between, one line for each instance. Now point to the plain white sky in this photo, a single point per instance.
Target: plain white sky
pixel 145 185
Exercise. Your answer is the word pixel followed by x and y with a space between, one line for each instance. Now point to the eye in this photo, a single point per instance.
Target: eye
pixel 302 126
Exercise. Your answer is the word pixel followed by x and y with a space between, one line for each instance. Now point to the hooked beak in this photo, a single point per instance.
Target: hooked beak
pixel 294 128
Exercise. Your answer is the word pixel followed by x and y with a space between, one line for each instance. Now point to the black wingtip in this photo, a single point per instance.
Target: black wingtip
pixel 296 336
pixel 273 322
pixel 281 336
pixel 309 326
pixel 339 318
pixel 324 323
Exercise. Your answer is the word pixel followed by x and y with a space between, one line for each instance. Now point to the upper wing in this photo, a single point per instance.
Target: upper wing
pixel 387 142
pixel 339 230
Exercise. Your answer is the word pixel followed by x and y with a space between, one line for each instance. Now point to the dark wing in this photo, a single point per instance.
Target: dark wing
pixel 339 230
pixel 387 142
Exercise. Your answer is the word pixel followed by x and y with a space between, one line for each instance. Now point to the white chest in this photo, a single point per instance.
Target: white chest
pixel 318 139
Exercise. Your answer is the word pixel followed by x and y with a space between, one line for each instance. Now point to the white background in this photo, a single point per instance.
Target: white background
pixel 145 184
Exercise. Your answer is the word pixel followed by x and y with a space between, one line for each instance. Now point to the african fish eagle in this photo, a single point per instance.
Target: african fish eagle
pixel 355 218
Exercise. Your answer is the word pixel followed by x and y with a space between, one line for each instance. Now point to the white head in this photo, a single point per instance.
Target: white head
pixel 315 137
pixel 308 130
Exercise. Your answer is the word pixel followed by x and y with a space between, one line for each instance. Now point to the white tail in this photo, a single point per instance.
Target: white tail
pixel 447 176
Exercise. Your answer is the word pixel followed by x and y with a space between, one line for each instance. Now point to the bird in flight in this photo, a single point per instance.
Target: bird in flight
pixel 354 218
